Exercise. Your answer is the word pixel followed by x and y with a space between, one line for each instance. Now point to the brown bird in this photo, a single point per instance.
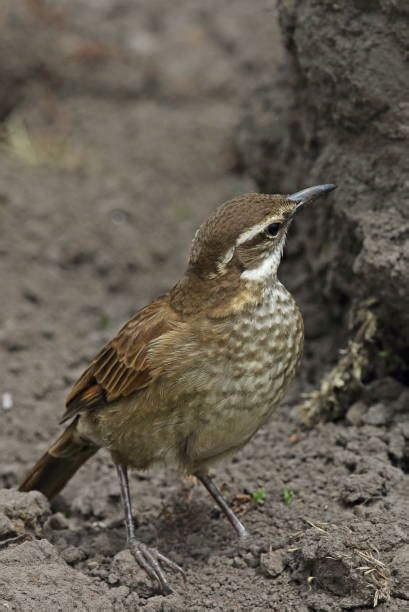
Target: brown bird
pixel 191 377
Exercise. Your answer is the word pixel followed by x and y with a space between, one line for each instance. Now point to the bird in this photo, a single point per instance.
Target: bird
pixel 193 375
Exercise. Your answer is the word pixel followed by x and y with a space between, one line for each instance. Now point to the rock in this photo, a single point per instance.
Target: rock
pixel 271 563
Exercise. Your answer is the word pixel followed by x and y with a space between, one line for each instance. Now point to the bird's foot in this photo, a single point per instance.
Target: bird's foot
pixel 152 561
pixel 243 534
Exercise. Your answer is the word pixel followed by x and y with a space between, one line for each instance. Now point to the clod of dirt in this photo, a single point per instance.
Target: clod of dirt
pixel 388 388
pixel 360 488
pixel 272 563
pixel 337 561
pixel 34 577
pixel 378 414
pixel 73 554
pixel 128 572
pixel 58 521
pixel 400 572
pixel 332 575
pixel 20 511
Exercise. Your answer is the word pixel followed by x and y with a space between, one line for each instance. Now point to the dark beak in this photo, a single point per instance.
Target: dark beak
pixel 311 193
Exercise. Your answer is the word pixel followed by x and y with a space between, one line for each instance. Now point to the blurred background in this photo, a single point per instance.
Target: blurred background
pixel 123 123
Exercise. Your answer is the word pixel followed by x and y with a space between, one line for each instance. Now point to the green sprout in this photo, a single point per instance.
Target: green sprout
pixel 258 496
pixel 287 496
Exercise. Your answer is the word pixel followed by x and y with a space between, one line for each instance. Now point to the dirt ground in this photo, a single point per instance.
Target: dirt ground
pixel 118 137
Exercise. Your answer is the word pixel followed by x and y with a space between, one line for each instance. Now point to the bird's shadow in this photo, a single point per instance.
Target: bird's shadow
pixel 187 525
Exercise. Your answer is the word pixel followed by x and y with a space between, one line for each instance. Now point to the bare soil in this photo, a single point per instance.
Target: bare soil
pixel 119 123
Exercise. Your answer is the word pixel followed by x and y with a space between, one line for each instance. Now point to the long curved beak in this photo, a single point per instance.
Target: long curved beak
pixel 311 193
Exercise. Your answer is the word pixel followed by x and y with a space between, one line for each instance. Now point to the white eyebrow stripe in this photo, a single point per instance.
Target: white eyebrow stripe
pixel 250 233
pixel 253 231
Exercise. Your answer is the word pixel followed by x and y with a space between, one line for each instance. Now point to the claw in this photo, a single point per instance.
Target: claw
pixel 171 564
pixel 150 560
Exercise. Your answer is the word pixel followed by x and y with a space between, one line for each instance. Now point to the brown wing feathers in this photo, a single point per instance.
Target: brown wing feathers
pixel 122 367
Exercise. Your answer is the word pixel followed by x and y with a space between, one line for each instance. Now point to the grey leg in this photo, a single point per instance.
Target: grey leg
pixel 149 559
pixel 218 497
pixel 126 501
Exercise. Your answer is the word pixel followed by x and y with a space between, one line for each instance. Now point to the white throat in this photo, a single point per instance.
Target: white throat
pixel 267 268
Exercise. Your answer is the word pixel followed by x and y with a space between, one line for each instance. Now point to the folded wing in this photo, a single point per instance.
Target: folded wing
pixel 122 368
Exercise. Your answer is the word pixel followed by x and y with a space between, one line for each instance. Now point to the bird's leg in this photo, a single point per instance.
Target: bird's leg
pixel 218 497
pixel 149 559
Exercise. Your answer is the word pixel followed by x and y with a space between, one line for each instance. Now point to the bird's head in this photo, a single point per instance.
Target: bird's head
pixel 245 236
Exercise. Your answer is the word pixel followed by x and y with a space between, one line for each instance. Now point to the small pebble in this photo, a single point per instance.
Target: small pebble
pixel 113 578
pixel 7 401
pixel 356 413
pixel 378 414
pixel 238 562
pixel 250 560
pixel 58 521
pixel 92 565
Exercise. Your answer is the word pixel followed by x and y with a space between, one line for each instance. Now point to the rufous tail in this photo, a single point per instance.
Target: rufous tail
pixel 55 468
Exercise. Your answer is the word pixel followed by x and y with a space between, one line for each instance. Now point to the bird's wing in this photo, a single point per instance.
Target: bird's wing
pixel 122 367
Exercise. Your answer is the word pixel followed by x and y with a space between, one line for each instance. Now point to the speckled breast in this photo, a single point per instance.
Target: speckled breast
pixel 252 372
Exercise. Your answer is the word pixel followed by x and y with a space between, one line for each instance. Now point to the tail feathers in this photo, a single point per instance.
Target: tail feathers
pixel 55 468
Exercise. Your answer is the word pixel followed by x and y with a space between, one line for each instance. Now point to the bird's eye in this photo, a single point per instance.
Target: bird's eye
pixel 272 229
